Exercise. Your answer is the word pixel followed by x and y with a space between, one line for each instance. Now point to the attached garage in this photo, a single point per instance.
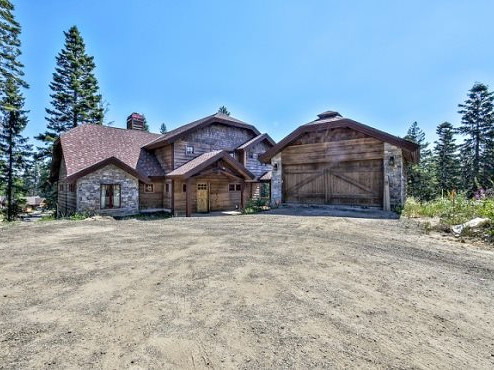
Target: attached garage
pixel 338 161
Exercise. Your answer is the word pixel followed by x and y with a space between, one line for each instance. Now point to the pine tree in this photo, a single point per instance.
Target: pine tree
pixel 75 92
pixel 163 128
pixel 14 148
pixel 420 177
pixel 10 66
pixel 446 157
pixel 477 150
pixel 223 110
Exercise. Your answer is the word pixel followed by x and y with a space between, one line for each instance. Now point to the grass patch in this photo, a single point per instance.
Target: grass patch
pixel 454 211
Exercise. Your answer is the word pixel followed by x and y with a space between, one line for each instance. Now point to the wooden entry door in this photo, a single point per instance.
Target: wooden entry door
pixel 349 183
pixel 202 197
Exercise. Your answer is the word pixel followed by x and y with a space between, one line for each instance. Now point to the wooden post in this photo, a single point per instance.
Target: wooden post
pixel 242 185
pixel 188 198
pixel 172 200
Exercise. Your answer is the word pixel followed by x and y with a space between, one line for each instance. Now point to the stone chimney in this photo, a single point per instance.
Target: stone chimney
pixel 136 121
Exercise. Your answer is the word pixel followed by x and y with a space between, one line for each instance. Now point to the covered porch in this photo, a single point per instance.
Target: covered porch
pixel 212 182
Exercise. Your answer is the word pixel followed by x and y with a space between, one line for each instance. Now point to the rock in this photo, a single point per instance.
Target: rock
pixel 472 224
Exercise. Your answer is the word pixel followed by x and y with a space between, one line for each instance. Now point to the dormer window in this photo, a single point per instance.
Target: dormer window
pixel 189 150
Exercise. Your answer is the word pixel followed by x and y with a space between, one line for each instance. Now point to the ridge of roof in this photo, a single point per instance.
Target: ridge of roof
pixel 178 132
pixel 337 122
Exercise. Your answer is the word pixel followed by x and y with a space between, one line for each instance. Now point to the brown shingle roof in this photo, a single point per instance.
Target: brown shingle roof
pixel 256 140
pixel 88 145
pixel 173 135
pixel 199 163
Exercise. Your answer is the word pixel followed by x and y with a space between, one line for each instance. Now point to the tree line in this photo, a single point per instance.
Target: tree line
pixel 452 165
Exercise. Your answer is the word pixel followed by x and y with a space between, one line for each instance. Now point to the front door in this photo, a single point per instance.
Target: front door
pixel 202 197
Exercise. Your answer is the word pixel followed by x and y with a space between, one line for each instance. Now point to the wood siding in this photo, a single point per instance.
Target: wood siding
pixel 165 157
pixel 66 199
pixel 151 200
pixel 214 137
pixel 338 166
pixel 253 164
pixel 220 199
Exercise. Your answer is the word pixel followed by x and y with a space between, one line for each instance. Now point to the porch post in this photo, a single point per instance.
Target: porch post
pixel 242 186
pixel 188 198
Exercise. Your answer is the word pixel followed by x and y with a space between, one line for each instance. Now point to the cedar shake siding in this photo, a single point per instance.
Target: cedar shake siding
pixel 208 139
pixel 252 162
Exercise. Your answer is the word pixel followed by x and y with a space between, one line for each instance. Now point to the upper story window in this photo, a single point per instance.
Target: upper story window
pixel 189 149
pixel 252 155
pixel 233 154
pixel 167 188
pixel 148 188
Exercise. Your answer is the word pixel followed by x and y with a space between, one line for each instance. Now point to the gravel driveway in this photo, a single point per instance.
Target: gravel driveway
pixel 267 290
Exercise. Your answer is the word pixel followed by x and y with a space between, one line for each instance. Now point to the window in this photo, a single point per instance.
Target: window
pixel 72 188
pixel 275 167
pixel 265 189
pixel 148 188
pixel 167 188
pixel 110 196
pixel 184 188
pixel 233 154
pixel 60 187
pixel 252 155
pixel 189 150
pixel 202 186
pixel 234 187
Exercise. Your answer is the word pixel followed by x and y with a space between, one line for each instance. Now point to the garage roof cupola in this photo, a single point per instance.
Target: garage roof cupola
pixel 329 114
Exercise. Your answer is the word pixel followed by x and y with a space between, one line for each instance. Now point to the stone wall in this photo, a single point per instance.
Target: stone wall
pixel 276 180
pixel 89 190
pixel 396 174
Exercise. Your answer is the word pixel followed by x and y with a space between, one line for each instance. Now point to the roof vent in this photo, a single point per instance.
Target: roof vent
pixel 328 114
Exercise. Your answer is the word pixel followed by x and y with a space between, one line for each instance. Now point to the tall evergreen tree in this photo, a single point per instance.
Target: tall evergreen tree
pixel 163 128
pixel 420 177
pixel 446 157
pixel 223 110
pixel 14 148
pixel 75 92
pixel 477 150
pixel 10 48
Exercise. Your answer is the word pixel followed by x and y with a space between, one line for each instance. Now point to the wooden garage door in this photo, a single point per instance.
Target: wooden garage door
pixel 334 173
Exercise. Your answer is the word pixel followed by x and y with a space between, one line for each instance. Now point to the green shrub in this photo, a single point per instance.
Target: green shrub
pixel 256 205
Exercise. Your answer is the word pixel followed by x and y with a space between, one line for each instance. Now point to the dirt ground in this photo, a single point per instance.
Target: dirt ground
pixel 268 290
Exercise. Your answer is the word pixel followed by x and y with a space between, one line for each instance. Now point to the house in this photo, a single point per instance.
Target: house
pixel 207 165
pixel 336 160
pixel 34 202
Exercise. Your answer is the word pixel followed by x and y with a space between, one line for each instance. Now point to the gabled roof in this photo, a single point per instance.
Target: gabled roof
pixel 256 140
pixel 331 120
pixel 204 160
pixel 88 146
pixel 181 131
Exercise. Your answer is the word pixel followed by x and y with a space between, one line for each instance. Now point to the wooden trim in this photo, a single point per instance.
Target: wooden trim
pixel 112 160
pixel 207 121
pixel 410 148
pixel 221 155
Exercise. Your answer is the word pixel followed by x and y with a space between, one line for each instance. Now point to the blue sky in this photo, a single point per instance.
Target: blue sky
pixel 275 64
